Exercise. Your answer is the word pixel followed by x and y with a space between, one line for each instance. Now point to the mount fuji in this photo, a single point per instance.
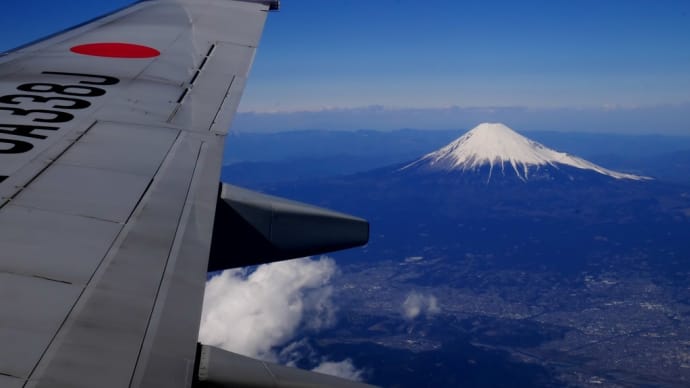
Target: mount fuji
pixel 493 148
pixel 494 188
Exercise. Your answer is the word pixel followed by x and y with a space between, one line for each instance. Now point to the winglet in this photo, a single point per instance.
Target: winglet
pixel 253 228
pixel 273 5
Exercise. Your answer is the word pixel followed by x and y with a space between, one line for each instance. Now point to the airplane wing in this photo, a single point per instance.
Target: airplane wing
pixel 111 142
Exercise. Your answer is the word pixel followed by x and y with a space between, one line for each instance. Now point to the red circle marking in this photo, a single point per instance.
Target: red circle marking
pixel 116 50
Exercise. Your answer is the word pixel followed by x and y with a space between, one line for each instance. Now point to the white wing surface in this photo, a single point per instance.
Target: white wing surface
pixel 111 140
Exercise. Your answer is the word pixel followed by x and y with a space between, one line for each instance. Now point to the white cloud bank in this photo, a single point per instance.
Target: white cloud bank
pixel 301 350
pixel 417 304
pixel 344 369
pixel 251 313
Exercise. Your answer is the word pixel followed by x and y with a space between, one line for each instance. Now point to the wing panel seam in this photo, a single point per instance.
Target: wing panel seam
pixel 192 82
pixel 183 214
pixel 51 162
pixel 116 240
pixel 220 108
pixel 25 275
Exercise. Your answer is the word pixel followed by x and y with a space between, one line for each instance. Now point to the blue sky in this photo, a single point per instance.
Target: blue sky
pixel 474 53
pixel 583 56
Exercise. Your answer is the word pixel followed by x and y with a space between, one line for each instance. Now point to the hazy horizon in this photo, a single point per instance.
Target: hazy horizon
pixel 586 66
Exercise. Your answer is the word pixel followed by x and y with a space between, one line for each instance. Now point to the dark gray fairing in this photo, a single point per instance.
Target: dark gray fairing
pixel 218 368
pixel 273 5
pixel 253 228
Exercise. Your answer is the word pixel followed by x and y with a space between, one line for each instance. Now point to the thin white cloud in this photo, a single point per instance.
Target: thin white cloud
pixel 345 369
pixel 252 313
pixel 413 259
pixel 298 351
pixel 417 304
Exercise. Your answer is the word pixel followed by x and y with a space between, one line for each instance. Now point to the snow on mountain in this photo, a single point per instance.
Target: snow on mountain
pixel 498 146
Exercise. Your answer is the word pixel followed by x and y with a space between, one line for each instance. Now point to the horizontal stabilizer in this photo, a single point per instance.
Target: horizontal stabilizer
pixel 219 368
pixel 253 228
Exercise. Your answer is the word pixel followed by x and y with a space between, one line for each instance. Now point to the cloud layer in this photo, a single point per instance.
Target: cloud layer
pixel 344 369
pixel 252 313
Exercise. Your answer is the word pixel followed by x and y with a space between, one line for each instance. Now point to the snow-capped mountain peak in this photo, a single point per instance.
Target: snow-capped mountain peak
pixel 499 147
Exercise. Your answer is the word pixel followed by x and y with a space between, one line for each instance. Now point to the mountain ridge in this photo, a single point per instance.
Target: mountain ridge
pixel 497 145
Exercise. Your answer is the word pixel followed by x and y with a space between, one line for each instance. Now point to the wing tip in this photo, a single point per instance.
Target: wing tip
pixel 273 5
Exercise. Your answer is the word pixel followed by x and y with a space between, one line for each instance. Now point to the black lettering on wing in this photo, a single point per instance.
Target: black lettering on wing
pixel 104 79
pixel 16 146
pixel 25 130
